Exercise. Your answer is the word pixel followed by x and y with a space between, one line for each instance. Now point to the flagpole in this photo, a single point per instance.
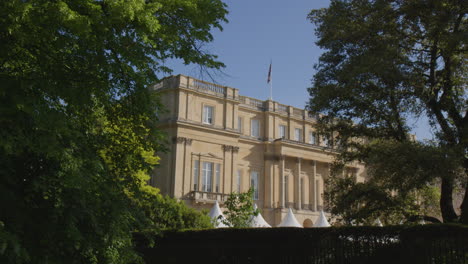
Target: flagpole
pixel 271 90
pixel 270 80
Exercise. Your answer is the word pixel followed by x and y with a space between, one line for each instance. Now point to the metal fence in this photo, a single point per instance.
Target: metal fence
pixel 438 244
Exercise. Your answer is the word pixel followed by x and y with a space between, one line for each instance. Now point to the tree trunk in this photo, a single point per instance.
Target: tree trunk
pixel 464 205
pixel 446 201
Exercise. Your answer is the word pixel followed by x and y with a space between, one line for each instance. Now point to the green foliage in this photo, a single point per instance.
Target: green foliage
pixel 240 208
pixel 78 130
pixel 386 63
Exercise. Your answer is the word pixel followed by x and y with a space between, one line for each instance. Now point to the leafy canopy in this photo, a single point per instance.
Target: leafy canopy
pixel 78 130
pixel 240 209
pixel 385 64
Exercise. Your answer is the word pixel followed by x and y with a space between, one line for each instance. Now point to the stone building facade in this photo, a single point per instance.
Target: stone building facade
pixel 223 142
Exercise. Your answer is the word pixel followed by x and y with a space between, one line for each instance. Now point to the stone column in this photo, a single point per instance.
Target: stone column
pixel 235 151
pixel 282 158
pixel 176 182
pixel 227 166
pixel 187 167
pixel 313 186
pixel 268 181
pixel 297 185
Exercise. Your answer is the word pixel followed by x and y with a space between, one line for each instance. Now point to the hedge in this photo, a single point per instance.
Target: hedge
pixel 434 244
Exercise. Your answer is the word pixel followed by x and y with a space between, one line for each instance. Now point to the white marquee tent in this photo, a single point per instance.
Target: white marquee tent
pixel 378 222
pixel 289 220
pixel 258 221
pixel 214 214
pixel 322 220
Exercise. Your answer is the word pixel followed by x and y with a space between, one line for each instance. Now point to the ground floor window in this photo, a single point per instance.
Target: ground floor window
pixel 254 183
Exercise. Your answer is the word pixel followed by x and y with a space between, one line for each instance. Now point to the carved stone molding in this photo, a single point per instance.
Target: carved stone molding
pixel 230 148
pixel 226 147
pixel 180 140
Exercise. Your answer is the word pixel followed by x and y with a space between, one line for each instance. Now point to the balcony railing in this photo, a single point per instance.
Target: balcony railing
pixel 207 196
pixel 252 102
pixel 298 112
pixel 282 108
pixel 208 87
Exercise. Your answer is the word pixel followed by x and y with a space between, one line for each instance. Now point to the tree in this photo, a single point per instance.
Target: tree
pixel 240 209
pixel 387 62
pixel 78 121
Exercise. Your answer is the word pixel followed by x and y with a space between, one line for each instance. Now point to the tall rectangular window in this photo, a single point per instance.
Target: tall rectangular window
pixel 298 134
pixel 196 171
pixel 218 177
pixel 282 131
pixel 208 114
pixel 239 177
pixel 312 138
pixel 326 140
pixel 255 128
pixel 207 176
pixel 254 183
pixel 239 124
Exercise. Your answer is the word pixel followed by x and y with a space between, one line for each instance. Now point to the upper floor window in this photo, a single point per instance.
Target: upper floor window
pixel 312 138
pixel 208 114
pixel 282 131
pixel 326 140
pixel 196 171
pixel 240 120
pixel 254 184
pixel 207 176
pixel 255 128
pixel 298 134
pixel 239 177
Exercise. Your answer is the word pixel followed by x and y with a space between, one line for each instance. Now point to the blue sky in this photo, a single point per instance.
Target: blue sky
pixel 260 31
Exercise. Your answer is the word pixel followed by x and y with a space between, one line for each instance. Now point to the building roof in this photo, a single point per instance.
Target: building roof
pixel 258 221
pixel 289 220
pixel 322 221
pixel 214 214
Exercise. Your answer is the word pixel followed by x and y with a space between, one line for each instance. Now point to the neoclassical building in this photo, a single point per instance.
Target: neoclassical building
pixel 222 142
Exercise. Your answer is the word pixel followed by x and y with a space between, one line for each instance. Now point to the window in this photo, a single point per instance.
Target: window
pixel 207 176
pixel 282 131
pixel 208 114
pixel 312 138
pixel 255 128
pixel 239 176
pixel 218 177
pixel 196 169
pixel 326 140
pixel 298 134
pixel 239 124
pixel 254 183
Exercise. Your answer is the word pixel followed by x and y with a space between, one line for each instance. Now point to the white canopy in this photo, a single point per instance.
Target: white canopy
pixel 258 221
pixel 378 223
pixel 215 212
pixel 322 220
pixel 289 220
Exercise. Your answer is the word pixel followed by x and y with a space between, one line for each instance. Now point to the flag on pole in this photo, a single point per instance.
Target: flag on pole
pixel 269 74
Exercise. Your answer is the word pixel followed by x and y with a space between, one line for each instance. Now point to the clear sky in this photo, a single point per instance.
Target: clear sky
pixel 260 31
